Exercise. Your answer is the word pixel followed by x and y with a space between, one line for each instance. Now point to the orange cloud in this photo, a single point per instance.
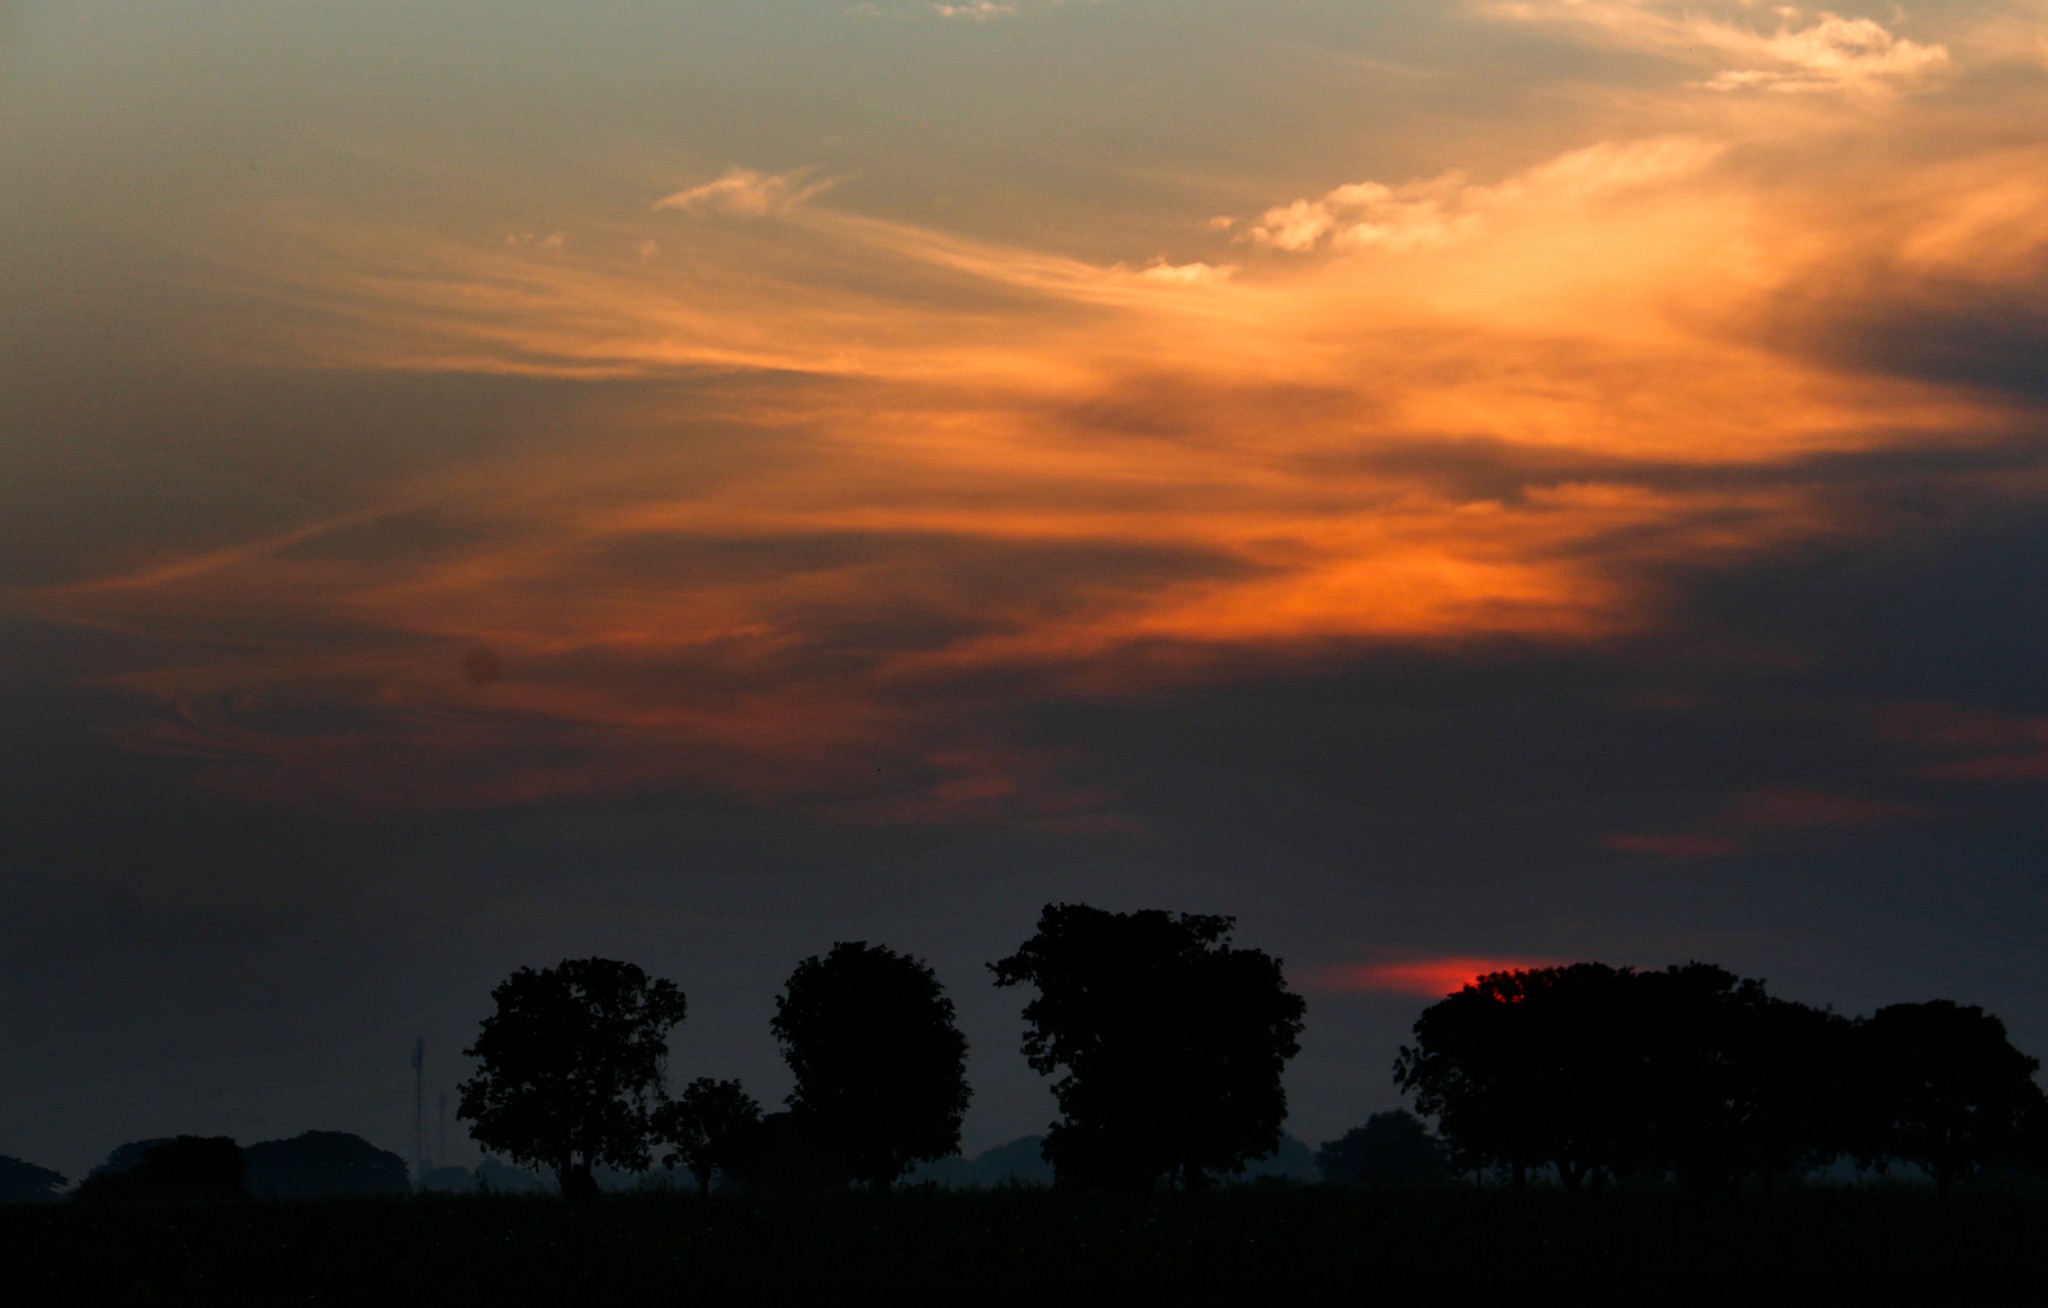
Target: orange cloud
pixel 837 476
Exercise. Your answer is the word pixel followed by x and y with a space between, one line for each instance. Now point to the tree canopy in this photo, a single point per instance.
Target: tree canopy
pixel 570 1068
pixel 183 1167
pixel 1943 1088
pixel 1695 1073
pixel 1167 1041
pixel 708 1127
pixel 880 1066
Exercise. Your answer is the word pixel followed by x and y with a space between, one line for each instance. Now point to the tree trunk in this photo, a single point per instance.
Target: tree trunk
pixel 576 1181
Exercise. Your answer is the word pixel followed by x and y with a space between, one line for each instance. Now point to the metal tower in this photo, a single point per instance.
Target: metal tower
pixel 419 1107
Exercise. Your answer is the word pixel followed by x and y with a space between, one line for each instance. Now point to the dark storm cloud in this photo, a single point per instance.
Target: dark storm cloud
pixel 1968 333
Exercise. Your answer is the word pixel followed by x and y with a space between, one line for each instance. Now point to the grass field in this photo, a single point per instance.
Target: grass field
pixel 1894 1244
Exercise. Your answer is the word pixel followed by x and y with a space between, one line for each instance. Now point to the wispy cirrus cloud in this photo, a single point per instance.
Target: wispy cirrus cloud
pixel 750 193
pixel 839 475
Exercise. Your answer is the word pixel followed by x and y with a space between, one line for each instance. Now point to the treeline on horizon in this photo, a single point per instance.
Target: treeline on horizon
pixel 1166 1044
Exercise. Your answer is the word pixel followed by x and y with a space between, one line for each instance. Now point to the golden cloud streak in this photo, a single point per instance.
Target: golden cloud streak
pixel 867 464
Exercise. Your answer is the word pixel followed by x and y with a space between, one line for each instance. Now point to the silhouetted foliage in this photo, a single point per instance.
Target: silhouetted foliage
pixel 1602 1072
pixel 125 1157
pixel 1791 1069
pixel 784 1154
pixel 323 1163
pixel 1391 1148
pixel 707 1126
pixel 185 1167
pixel 571 1068
pixel 1942 1087
pixel 881 1069
pixel 1168 1042
pixel 25 1183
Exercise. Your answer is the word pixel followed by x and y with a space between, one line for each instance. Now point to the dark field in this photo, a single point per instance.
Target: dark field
pixel 1897 1244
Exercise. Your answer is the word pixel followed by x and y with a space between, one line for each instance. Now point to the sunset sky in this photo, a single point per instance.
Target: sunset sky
pixel 1451 483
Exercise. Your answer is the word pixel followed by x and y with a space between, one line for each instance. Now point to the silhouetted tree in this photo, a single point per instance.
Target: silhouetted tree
pixel 881 1069
pixel 1942 1087
pixel 25 1183
pixel 1601 1071
pixel 1498 1073
pixel 571 1068
pixel 708 1126
pixel 1697 1059
pixel 323 1163
pixel 1169 1044
pixel 1392 1147
pixel 1793 1067
pixel 184 1167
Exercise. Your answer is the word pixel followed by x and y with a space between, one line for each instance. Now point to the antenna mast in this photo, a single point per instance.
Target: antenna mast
pixel 419 1106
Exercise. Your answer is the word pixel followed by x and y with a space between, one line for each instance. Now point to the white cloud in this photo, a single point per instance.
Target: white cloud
pixel 1189 274
pixel 980 11
pixel 744 191
pixel 555 241
pixel 1441 210
pixel 1824 52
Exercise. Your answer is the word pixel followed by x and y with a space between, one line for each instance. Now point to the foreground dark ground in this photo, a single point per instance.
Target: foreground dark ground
pixel 1897 1242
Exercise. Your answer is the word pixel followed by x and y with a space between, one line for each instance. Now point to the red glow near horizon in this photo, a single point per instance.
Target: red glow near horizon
pixel 1428 977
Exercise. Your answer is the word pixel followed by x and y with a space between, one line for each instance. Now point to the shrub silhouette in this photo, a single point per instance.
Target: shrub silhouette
pixel 125 1157
pixel 1168 1043
pixel 323 1163
pixel 571 1067
pixel 881 1069
pixel 1392 1147
pixel 186 1167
